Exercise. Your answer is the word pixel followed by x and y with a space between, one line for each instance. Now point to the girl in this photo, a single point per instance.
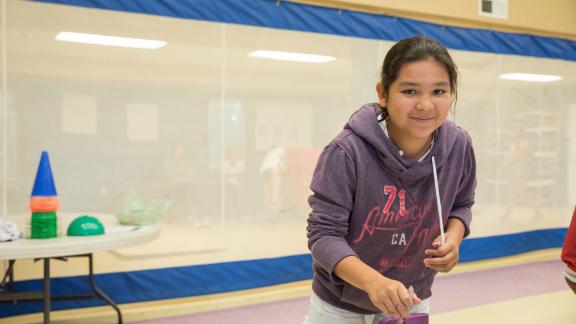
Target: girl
pixel 374 230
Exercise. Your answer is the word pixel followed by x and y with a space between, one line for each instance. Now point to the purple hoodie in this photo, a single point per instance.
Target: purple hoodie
pixel 370 202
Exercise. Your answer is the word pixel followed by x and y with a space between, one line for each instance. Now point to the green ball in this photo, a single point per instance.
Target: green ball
pixel 84 226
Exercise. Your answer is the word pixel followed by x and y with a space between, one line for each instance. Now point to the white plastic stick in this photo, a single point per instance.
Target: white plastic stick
pixel 438 205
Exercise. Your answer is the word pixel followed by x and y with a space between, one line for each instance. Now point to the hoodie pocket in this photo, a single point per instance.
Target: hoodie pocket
pixel 358 298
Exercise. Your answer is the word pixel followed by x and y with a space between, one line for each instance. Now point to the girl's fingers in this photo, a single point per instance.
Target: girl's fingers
pixel 440 259
pixel 383 307
pixel 442 267
pixel 435 262
pixel 433 253
pixel 441 250
pixel 391 308
pixel 416 300
pixel 400 309
pixel 396 305
pixel 443 258
pixel 405 304
pixel 405 298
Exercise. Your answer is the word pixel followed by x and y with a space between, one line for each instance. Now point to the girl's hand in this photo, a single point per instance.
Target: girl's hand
pixel 444 257
pixel 391 297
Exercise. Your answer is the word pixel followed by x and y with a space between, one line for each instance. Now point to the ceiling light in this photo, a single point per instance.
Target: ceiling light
pixel 291 56
pixel 109 40
pixel 530 77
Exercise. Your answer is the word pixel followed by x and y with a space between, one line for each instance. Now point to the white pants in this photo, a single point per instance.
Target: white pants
pixel 320 312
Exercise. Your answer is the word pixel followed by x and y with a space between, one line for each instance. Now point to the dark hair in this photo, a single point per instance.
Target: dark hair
pixel 416 49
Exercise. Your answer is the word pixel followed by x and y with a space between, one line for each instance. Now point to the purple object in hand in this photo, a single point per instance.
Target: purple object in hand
pixel 414 318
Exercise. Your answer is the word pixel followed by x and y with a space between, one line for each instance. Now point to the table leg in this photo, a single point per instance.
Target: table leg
pixel 7 283
pixel 47 296
pixel 11 279
pixel 99 292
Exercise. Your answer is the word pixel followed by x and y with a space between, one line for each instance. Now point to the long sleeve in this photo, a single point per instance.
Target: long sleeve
pixel 333 186
pixel 462 208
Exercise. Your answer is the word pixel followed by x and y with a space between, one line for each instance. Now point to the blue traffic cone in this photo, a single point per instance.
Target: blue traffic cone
pixel 44 183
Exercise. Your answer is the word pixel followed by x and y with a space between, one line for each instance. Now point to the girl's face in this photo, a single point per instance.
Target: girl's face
pixel 418 101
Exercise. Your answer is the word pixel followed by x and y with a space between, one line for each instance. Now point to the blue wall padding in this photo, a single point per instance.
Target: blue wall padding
pixel 482 248
pixel 148 285
pixel 309 18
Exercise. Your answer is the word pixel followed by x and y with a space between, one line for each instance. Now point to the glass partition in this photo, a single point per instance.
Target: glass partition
pixel 231 139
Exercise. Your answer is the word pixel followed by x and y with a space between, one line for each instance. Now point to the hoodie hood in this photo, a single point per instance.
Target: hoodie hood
pixel 364 124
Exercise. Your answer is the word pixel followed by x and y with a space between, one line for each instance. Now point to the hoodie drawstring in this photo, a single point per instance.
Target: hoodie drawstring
pixel 438 200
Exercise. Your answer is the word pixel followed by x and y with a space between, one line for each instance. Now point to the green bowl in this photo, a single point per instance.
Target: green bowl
pixel 85 226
